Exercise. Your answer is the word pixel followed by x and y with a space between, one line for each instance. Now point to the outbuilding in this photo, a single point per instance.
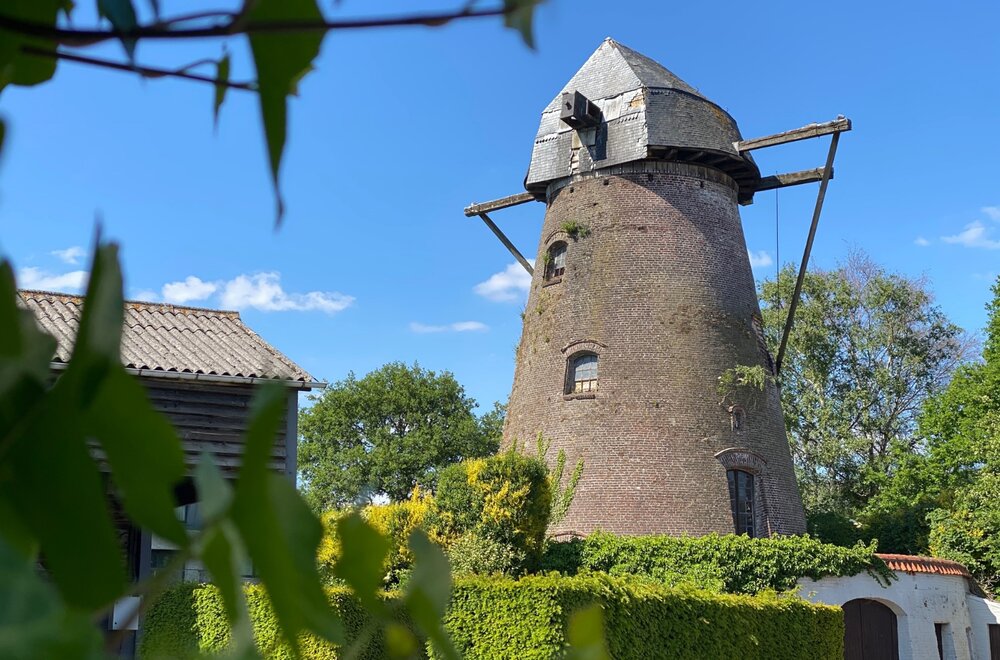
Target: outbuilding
pixel 199 367
pixel 933 610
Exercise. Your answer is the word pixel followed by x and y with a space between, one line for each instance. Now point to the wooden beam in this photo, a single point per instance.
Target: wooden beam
pixel 827 171
pixel 497 204
pixel 507 244
pixel 812 130
pixel 791 179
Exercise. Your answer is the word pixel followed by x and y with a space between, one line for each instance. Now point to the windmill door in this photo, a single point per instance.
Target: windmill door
pixel 869 631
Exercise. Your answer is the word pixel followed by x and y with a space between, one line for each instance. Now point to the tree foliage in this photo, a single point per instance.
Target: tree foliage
pixel 380 436
pixel 961 468
pixel 867 350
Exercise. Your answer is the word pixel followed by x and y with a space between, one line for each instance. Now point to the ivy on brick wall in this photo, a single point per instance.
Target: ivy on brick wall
pixel 732 564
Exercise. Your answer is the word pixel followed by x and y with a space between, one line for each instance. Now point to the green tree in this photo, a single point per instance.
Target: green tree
pixel 381 435
pixel 961 469
pixel 867 349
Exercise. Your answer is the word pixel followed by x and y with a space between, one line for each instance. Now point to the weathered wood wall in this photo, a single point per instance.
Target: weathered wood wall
pixel 211 417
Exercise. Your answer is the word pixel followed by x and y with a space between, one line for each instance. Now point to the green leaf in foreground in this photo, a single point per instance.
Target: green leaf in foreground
pixel 145 469
pixel 279 530
pixel 520 16
pixel 16 66
pixel 221 80
pixel 585 633
pixel 62 500
pixel 362 558
pixel 281 61
pixel 428 592
pixel 33 622
pixel 121 13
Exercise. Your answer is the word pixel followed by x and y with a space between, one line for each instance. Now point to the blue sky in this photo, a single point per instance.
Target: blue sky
pixel 397 130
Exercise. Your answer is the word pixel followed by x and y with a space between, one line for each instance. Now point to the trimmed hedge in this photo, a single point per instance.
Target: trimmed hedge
pixel 500 618
pixel 732 564
pixel 190 618
pixel 497 619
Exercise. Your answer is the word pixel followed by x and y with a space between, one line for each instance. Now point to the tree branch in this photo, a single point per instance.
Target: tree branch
pixel 234 27
pixel 146 71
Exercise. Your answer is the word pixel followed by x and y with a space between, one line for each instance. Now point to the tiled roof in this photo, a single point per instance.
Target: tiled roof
pixel 916 564
pixel 170 338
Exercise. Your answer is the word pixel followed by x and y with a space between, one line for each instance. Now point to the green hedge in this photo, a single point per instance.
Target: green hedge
pixel 732 564
pixel 190 618
pixel 498 618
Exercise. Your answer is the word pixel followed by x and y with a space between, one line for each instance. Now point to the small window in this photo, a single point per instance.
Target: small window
pixel 741 501
pixel 555 260
pixel 582 374
pixel 738 417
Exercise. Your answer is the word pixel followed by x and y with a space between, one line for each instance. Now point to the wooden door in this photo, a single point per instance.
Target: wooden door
pixel 869 631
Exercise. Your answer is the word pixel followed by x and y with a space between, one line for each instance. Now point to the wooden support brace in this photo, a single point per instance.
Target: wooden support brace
pixel 506 241
pixel 497 204
pixel 812 130
pixel 790 179
pixel 790 320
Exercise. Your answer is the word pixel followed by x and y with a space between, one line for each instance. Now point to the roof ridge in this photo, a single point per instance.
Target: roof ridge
pixel 633 58
pixel 162 306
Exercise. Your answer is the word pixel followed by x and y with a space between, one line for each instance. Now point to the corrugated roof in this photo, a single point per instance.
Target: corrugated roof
pixel 171 338
pixel 917 564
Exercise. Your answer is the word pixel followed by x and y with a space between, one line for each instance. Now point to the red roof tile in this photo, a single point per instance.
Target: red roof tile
pixel 916 564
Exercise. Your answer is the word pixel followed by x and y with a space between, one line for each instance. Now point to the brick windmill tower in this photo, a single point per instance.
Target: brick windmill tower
pixel 641 298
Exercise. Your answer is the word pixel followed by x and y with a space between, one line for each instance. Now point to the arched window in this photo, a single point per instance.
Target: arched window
pixel 555 260
pixel 582 374
pixel 741 501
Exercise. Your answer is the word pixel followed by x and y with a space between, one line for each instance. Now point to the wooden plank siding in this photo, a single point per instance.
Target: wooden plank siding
pixel 211 417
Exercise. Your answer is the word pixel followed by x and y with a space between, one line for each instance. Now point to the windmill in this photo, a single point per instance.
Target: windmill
pixel 643 298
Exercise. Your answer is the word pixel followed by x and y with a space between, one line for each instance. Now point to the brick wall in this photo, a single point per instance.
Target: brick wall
pixel 661 289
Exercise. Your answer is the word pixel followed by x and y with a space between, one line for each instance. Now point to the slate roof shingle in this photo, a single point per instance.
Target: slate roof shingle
pixel 646 110
pixel 171 338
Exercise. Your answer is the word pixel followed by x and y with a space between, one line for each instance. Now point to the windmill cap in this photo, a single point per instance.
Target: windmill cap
pixel 646 112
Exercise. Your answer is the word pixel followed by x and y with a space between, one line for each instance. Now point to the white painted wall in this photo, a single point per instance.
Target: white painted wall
pixel 919 600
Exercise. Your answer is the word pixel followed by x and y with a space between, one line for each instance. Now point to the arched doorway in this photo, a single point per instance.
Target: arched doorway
pixel 869 631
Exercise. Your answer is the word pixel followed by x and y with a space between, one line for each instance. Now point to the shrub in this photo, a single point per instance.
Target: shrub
pixel 395 520
pixel 475 554
pixel 191 617
pixel 498 619
pixel 505 498
pixel 742 564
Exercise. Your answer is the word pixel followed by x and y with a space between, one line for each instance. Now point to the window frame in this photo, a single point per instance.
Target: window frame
pixel 744 522
pixel 577 386
pixel 551 272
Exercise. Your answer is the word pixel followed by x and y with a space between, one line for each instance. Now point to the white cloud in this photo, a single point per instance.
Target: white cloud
pixel 70 255
pixel 263 291
pixel 760 259
pixel 192 288
pixel 461 326
pixel 509 285
pixel 145 295
pixel 921 241
pixel 975 235
pixel 36 278
pixel 992 212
